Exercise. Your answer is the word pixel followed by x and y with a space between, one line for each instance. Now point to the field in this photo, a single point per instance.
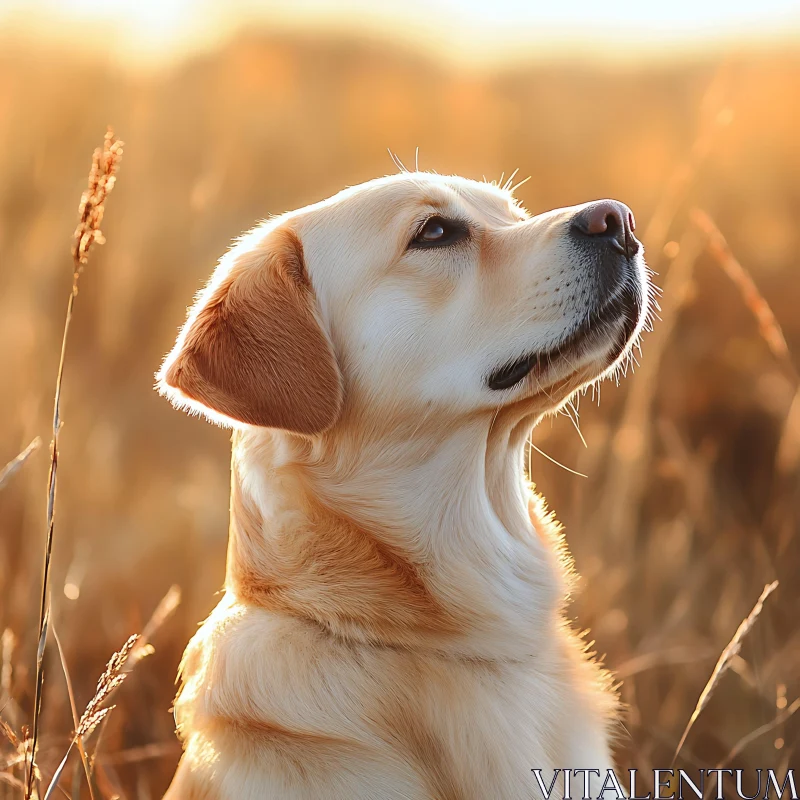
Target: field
pixel 692 501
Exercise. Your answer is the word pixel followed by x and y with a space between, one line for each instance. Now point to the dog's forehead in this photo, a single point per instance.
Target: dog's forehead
pixel 392 194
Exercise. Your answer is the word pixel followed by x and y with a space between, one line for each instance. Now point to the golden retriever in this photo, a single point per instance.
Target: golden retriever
pixel 393 619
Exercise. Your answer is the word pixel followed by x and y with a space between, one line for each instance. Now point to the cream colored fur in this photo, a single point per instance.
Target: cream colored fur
pixel 393 622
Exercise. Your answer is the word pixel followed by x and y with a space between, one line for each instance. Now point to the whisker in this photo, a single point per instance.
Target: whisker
pixel 396 159
pixel 557 463
pixel 510 179
pixel 575 421
pixel 517 185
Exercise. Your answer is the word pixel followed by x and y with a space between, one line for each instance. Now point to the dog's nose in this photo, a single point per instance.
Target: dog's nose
pixel 611 221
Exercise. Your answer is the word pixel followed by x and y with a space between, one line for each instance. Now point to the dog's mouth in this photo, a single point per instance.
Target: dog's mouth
pixel 617 318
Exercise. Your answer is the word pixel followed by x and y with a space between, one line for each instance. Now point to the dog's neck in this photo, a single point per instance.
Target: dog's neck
pixel 429 540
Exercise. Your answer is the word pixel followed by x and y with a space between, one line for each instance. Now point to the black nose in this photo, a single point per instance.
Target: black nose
pixel 610 221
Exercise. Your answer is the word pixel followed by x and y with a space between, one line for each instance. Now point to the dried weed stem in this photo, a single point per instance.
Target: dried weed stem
pixel 724 662
pixel 102 177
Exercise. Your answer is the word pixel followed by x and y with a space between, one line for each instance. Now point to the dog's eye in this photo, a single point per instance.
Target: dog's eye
pixel 439 232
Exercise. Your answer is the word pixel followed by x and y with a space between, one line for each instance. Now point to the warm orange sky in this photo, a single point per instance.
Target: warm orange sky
pixel 470 30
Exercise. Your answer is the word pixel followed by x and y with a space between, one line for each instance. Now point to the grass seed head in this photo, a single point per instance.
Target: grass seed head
pixel 102 178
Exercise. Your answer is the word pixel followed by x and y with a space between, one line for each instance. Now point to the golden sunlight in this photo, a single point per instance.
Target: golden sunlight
pixel 464 30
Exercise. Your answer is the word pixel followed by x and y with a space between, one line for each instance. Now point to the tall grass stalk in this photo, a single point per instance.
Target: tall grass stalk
pixel 768 325
pixel 724 662
pixel 625 481
pixel 102 178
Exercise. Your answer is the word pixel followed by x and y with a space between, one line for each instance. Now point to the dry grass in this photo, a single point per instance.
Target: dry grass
pixel 102 177
pixel 692 501
pixel 95 712
pixel 768 325
pixel 732 649
pixel 16 463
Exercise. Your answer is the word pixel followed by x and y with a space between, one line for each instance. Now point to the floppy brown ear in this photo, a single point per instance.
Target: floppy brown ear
pixel 252 349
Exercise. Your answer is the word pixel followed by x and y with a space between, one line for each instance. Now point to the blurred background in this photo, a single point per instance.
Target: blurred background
pixel 689 113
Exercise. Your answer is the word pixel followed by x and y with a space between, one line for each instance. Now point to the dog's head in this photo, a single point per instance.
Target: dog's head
pixel 412 294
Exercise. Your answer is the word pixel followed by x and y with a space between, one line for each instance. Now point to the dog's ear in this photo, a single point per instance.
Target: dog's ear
pixel 252 349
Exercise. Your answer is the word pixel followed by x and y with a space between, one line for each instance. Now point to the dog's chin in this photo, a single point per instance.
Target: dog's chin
pixel 593 350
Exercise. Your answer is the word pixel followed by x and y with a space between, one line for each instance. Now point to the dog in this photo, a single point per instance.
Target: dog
pixel 393 618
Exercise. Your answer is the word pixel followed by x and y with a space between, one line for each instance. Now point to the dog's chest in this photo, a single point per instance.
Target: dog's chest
pixel 477 731
pixel 430 726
